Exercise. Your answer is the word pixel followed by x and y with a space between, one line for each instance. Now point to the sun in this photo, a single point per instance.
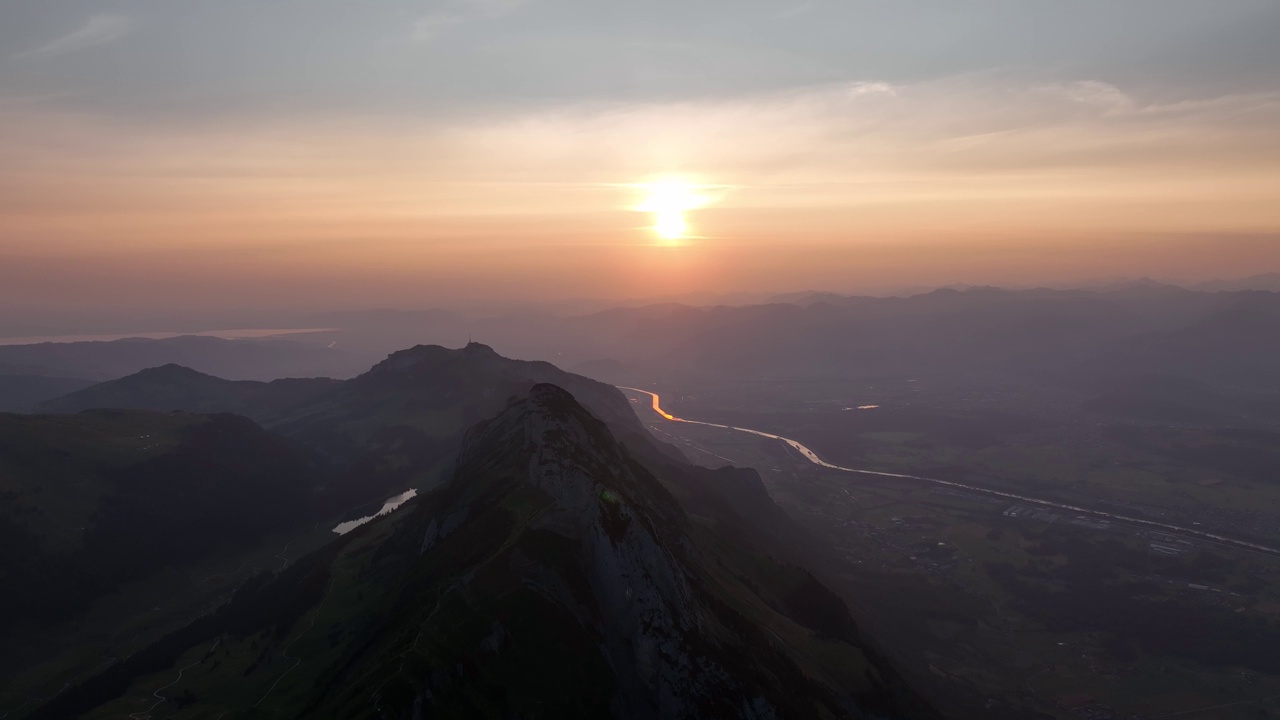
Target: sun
pixel 670 224
pixel 669 200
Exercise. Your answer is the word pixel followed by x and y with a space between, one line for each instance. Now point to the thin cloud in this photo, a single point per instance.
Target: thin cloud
pixel 429 27
pixel 98 30
pixel 432 25
pixel 793 11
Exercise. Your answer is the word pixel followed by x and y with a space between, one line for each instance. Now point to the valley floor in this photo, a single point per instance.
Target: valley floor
pixel 1015 609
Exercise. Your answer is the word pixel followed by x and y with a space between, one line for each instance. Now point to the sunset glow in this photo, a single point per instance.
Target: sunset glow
pixel 669 200
pixel 670 224
pixel 403 179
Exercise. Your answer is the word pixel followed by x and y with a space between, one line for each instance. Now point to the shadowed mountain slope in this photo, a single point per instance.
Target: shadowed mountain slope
pixel 19 393
pixel 90 501
pixel 174 387
pixel 393 427
pixel 246 359
pixel 427 386
pixel 552 576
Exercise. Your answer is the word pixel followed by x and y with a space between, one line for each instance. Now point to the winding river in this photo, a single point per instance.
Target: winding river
pixel 812 457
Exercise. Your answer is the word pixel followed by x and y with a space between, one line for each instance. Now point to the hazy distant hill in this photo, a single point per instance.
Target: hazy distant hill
pixel 476 381
pixel 431 389
pixel 174 387
pixel 1267 281
pixel 247 359
pixel 1036 335
pixel 1066 336
pixel 604 369
pixel 552 576
pixel 23 392
pixel 975 331
pixel 393 427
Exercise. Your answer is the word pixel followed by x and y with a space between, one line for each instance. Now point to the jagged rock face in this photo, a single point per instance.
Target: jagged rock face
pixel 604 541
pixel 629 540
pixel 642 594
pixel 627 536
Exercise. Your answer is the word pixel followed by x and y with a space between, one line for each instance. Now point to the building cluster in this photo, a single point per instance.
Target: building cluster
pixel 1030 512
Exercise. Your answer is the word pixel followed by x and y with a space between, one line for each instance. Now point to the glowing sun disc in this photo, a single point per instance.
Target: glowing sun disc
pixel 670 224
pixel 668 200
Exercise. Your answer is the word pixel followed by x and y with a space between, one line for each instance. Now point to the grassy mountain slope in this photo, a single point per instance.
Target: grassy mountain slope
pixel 552 576
pixel 92 500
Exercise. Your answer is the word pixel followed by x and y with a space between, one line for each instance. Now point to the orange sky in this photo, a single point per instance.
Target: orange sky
pixel 986 176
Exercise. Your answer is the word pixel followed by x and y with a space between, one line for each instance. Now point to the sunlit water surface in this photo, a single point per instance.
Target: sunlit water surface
pixel 387 507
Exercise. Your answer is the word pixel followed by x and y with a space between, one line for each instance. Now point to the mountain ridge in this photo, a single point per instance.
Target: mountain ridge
pixel 552 575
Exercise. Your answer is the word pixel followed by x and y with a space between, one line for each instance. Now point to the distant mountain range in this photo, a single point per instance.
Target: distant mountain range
pixel 1060 338
pixel 1269 282
pixel 22 392
pixel 175 387
pixel 1073 337
pixel 414 406
pixel 31 374
pixel 248 359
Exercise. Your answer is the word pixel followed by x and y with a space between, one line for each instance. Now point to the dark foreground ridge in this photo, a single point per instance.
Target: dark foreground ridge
pixel 553 575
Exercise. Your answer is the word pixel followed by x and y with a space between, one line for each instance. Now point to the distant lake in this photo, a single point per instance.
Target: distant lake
pixel 224 334
pixel 387 507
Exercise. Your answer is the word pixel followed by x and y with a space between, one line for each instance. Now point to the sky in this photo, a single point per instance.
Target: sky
pixel 290 153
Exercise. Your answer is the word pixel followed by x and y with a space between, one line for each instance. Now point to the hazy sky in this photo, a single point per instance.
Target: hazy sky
pixel 312 152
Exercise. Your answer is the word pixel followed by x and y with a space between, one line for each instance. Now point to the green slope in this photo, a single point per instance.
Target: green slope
pixel 553 576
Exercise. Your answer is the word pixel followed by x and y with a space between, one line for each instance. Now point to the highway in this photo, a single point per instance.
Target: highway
pixel 812 457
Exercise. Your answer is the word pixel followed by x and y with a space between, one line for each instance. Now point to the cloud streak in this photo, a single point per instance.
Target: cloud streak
pixel 852 162
pixel 433 25
pixel 97 30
